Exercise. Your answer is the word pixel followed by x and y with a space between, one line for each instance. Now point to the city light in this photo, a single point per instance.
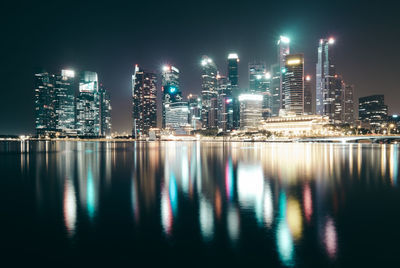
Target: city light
pixel 250 97
pixel 293 62
pixel 166 68
pixel 233 56
pixel 308 78
pixel 331 40
pixel 284 39
pixel 68 73
pixel 268 75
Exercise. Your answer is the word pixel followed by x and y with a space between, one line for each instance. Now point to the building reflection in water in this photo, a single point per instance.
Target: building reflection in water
pixel 292 192
pixel 284 238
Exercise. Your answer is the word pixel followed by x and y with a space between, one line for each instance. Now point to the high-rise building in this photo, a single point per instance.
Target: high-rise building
pixel 372 110
pixel 275 90
pixel 87 105
pixel 176 117
pixel 209 94
pixel 194 103
pixel 308 99
pixel 250 111
pixel 170 88
pixel 64 105
pixel 44 104
pixel 225 104
pixel 257 71
pixel 293 84
pixel 144 101
pixel 105 111
pixel 337 87
pixel 233 77
pixel 325 73
pixel 348 104
pixel 283 50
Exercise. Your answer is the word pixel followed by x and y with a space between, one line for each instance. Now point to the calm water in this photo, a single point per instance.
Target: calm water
pixel 199 204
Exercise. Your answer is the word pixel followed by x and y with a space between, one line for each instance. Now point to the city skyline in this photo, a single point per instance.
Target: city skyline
pixel 352 59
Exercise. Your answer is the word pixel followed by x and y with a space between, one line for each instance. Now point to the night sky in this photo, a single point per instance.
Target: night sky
pixel 110 38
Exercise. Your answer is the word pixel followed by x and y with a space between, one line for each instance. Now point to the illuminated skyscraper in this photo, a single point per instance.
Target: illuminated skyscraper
pixel 225 104
pixel 170 88
pixel 233 77
pixel 348 104
pixel 260 81
pixel 275 90
pixel 64 106
pixel 194 103
pixel 105 111
pixel 372 110
pixel 308 100
pixel 293 84
pixel 324 74
pixel 250 111
pixel 283 51
pixel 87 105
pixel 209 92
pixel 44 104
pixel 144 97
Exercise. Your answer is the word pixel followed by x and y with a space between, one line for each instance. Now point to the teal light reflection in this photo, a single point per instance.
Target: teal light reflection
pixel 90 194
pixel 284 239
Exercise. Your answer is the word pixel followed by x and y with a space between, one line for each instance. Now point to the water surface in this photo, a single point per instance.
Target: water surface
pixel 196 204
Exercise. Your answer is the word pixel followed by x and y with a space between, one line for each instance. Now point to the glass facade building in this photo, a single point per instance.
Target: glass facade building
pixel 144 101
pixel 293 84
pixel 372 110
pixel 209 94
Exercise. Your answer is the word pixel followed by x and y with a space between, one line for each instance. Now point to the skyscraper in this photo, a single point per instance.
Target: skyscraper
pixel 250 111
pixel 259 82
pixel 209 93
pixel 194 104
pixel 225 104
pixel 87 105
pixel 44 104
pixel 233 77
pixel 348 104
pixel 308 100
pixel 325 72
pixel 283 51
pixel 293 84
pixel 170 88
pixel 105 111
pixel 372 110
pixel 144 97
pixel 275 89
pixel 64 108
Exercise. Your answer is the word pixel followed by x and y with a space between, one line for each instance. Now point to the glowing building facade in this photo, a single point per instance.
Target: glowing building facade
pixel 250 111
pixel 44 104
pixel 233 78
pixel 64 105
pixel 170 88
pixel 144 101
pixel 293 84
pixel 209 94
pixel 87 105
pixel 372 110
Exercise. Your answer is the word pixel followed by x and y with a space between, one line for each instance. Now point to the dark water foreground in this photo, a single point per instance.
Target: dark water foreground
pixel 198 204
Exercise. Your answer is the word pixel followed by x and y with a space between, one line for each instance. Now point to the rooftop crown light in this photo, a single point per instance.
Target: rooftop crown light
pixel 268 75
pixel 293 62
pixel 284 39
pixel 331 40
pixel 68 73
pixel 233 56
pixel 166 68
pixel 308 78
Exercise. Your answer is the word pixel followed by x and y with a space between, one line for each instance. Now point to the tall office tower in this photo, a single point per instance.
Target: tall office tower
pixel 283 50
pixel 372 110
pixel 194 103
pixel 87 105
pixel 275 90
pixel 293 84
pixel 308 99
pixel 64 108
pixel 177 117
pixel 250 111
pixel 170 88
pixel 44 104
pixel 233 77
pixel 209 92
pixel 105 111
pixel 256 72
pixel 144 101
pixel 225 108
pixel 337 88
pixel 348 104
pixel 324 74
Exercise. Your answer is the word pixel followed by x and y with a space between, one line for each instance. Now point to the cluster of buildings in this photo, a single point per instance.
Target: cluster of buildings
pixel 71 104
pixel 283 92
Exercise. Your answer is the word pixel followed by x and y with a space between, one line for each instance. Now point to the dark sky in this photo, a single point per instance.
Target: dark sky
pixel 110 38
